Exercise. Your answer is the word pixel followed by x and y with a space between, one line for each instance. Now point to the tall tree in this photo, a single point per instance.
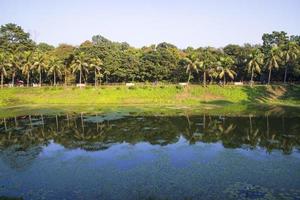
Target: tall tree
pixel 290 54
pixel 15 60
pixel 55 68
pixel 3 65
pixel 27 65
pixel 272 60
pixel 95 64
pixel 191 64
pixel 255 61
pixel 274 39
pixel 80 65
pixel 39 64
pixel 226 65
pixel 13 37
pixel 208 62
pixel 65 53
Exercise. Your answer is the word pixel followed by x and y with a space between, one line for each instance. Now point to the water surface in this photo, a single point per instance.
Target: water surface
pixel 135 156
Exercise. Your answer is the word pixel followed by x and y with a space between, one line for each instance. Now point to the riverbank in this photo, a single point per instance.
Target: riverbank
pixel 212 99
pixel 151 95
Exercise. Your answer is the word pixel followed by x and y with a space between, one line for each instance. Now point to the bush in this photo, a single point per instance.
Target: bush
pixel 131 87
pixel 179 87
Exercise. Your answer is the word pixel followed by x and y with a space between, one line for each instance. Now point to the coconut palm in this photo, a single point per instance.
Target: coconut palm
pixel 39 64
pixel 206 63
pixel 27 65
pixel 3 66
pixel 290 54
pixel 15 60
pixel 191 65
pixel 226 64
pixel 95 64
pixel 80 65
pixel 55 68
pixel 212 73
pixel 272 60
pixel 255 61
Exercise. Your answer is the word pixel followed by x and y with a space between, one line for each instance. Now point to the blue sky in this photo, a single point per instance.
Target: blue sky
pixel 144 22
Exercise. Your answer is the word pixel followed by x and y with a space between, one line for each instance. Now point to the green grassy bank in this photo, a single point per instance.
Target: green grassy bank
pixel 167 99
pixel 151 95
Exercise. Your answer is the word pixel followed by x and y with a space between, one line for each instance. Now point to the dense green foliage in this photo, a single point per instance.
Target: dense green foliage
pixel 101 60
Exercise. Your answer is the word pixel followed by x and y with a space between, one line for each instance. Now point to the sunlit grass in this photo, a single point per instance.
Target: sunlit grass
pixel 148 95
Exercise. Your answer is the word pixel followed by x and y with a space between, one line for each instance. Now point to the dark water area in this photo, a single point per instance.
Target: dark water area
pixel 115 156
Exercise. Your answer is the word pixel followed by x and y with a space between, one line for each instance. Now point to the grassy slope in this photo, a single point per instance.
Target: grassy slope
pixel 151 95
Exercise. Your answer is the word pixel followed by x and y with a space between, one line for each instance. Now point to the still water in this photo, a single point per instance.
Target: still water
pixel 126 156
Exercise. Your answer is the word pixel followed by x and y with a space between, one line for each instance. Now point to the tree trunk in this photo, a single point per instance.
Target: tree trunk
pixel 189 78
pixel 285 74
pixel 54 78
pixel 13 79
pixel 40 72
pixel 204 79
pixel 252 73
pixel 270 71
pixel 28 79
pixel 95 78
pixel 224 79
pixel 250 120
pixel 65 77
pixel 80 78
pixel 2 78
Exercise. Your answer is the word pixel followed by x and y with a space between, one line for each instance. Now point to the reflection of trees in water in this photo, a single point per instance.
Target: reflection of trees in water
pixel 19 157
pixel 74 131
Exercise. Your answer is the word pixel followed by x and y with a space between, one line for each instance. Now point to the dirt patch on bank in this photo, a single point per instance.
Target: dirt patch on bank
pixel 275 92
pixel 205 96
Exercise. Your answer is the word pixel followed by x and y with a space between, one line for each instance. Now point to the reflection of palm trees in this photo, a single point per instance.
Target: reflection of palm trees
pixel 16 122
pixel 233 132
pixel 56 121
pixel 68 120
pixel 4 122
pixel 82 124
pixel 19 157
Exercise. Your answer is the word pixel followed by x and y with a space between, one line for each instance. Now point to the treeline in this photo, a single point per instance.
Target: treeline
pixel 101 60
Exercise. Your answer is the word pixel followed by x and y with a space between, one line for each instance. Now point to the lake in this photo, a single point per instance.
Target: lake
pixel 135 155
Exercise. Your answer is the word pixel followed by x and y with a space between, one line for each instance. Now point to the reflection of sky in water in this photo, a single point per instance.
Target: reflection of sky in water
pixel 144 169
pixel 173 168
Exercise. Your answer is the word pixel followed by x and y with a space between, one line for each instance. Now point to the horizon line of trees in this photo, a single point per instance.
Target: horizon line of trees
pixel 101 60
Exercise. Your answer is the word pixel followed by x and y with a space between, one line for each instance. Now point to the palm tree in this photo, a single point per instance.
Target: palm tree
pixel 226 64
pixel 290 54
pixel 55 68
pixel 15 61
pixel 212 73
pixel 3 65
pixel 207 65
pixel 191 65
pixel 96 64
pixel 255 61
pixel 27 65
pixel 39 64
pixel 80 64
pixel 272 60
